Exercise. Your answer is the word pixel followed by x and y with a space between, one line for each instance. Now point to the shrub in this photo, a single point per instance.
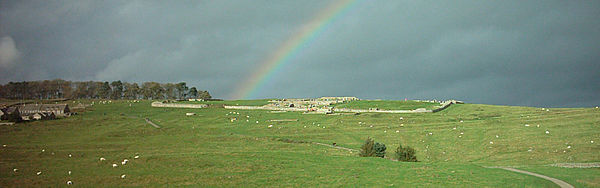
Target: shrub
pixel 366 150
pixel 372 149
pixel 379 149
pixel 406 154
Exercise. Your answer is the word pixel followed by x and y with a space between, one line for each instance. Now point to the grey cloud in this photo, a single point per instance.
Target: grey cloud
pixel 538 53
pixel 8 52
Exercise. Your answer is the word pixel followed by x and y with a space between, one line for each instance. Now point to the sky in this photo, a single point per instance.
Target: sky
pixel 527 53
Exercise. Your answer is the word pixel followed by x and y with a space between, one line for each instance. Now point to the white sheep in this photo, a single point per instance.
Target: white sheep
pixel 123 176
pixel 397 131
pixel 124 163
pixel 39 173
pixel 270 126
pixel 69 172
pixel 15 170
pixel 102 159
pixel 547 132
pixel 568 147
pixel 70 155
pixel 491 142
pixel 69 182
pixel 114 165
pixel 136 157
pixel 4 145
pixel 526 125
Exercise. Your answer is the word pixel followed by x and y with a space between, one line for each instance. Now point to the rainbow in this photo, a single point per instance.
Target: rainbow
pixel 290 48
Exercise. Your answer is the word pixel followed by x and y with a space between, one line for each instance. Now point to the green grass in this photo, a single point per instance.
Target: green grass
pixel 210 150
pixel 386 105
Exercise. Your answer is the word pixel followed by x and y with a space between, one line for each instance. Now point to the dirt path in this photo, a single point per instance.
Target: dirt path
pixel 554 180
pixel 337 147
pixel 151 123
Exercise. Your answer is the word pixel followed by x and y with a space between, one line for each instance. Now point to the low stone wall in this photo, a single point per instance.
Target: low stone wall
pixel 176 105
pixel 380 111
pixel 266 108
pixel 443 106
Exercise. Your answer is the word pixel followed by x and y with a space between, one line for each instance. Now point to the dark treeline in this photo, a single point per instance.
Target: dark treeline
pixel 51 89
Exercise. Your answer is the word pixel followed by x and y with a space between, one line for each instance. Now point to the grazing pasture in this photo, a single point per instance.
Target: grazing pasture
pixel 112 145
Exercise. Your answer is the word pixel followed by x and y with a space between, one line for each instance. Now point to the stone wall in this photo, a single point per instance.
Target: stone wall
pixel 177 105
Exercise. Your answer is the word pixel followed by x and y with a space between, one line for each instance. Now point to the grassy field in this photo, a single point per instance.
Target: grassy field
pixel 386 105
pixel 208 149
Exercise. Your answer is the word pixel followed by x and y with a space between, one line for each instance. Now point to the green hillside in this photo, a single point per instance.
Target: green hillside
pixel 454 148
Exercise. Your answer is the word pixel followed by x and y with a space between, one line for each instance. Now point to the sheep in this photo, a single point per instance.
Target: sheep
pixel 568 147
pixel 136 157
pixel 39 173
pixel 547 132
pixel 43 150
pixel 15 170
pixel 70 155
pixel 4 145
pixel 491 142
pixel 526 125
pixel 385 131
pixel 102 159
pixel 123 176
pixel 124 163
pixel 270 126
pixel 114 165
pixel 69 172
pixel 397 131
pixel 69 182
pixel 497 136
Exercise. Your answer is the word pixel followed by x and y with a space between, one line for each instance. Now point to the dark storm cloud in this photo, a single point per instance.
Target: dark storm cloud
pixel 540 53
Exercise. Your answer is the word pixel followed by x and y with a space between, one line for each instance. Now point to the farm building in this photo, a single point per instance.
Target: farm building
pixel 56 109
pixel 11 114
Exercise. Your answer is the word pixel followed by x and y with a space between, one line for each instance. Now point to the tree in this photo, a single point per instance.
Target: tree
pixel 193 93
pixel 117 89
pixel 169 89
pixel 181 90
pixel 131 91
pixel 366 150
pixel 104 90
pixel 406 154
pixel 379 149
pixel 204 95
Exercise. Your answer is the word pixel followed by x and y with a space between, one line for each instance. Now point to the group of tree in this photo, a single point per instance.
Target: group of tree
pixel 375 149
pixel 51 89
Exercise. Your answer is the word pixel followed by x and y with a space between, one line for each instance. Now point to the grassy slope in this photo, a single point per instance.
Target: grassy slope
pixel 210 150
pixel 386 105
